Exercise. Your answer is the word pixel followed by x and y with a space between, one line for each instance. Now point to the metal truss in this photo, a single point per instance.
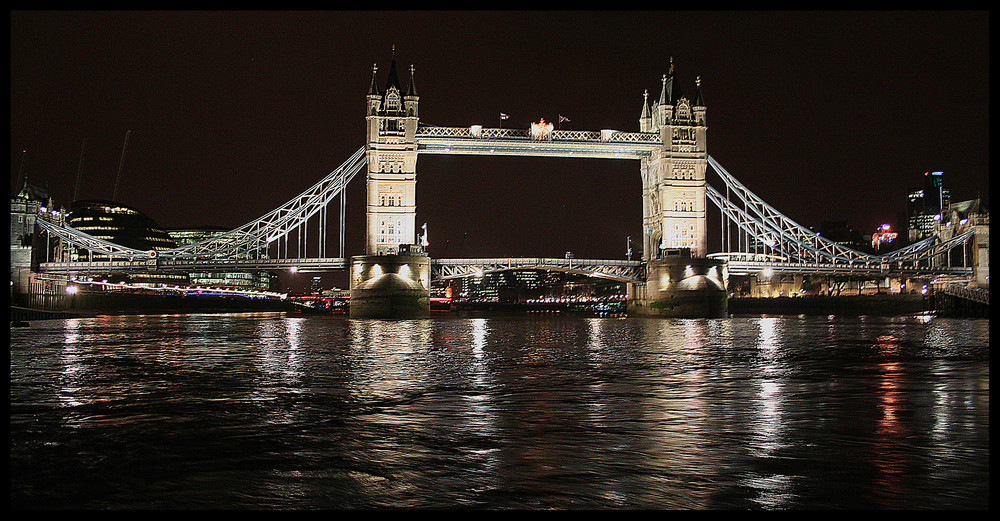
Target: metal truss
pixel 91 243
pixel 793 241
pixel 279 223
pixel 620 270
pixel 252 240
pixel 792 246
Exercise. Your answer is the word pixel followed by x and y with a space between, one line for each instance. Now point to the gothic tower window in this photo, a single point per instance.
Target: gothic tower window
pixel 392 100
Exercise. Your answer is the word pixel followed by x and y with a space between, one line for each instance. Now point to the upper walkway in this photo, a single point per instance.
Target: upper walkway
pixel 607 144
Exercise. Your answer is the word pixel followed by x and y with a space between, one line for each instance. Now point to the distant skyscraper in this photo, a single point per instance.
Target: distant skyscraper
pixel 924 203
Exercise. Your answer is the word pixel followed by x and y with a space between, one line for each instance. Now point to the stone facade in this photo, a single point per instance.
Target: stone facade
pixel 391 144
pixel 673 180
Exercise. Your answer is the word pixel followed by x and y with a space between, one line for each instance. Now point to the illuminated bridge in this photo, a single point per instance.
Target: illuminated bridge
pixel 673 163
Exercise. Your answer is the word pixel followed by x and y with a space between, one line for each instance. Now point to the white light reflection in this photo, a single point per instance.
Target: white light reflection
pixel 73 368
pixel 767 418
pixel 767 338
pixel 278 358
pixel 773 492
pixel 481 417
pixel 479 332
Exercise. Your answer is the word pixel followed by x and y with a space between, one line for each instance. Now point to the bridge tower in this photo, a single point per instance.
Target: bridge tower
pixel 391 147
pixel 673 180
pixel 393 279
pixel 680 280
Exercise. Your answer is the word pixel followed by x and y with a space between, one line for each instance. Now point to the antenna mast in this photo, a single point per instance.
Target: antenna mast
pixel 114 196
pixel 79 170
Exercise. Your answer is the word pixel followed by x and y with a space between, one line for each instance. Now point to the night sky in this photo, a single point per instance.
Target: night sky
pixel 827 115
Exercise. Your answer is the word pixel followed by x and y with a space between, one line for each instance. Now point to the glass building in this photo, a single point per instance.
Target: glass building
pixel 125 226
pixel 924 205
pixel 261 280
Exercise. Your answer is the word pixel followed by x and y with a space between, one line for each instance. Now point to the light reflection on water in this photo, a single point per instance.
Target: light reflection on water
pixel 274 411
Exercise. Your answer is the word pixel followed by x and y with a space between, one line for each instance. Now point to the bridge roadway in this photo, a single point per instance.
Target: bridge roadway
pixel 861 269
pixel 623 270
pixel 443 269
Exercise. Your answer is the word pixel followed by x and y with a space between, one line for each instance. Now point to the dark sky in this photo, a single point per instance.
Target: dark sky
pixel 827 115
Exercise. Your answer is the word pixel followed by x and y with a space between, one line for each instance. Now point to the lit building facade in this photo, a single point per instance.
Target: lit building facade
pixel 957 219
pixel 519 286
pixel 261 280
pixel 28 248
pixel 126 226
pixel 391 121
pixel 673 180
pixel 924 205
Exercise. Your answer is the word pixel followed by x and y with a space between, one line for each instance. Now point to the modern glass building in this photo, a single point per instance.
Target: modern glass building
pixel 126 226
pixel 924 205
pixel 260 280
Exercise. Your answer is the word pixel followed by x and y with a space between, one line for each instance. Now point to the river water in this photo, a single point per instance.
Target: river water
pixel 273 411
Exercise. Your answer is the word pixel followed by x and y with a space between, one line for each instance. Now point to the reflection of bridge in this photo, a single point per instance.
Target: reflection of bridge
pixel 670 148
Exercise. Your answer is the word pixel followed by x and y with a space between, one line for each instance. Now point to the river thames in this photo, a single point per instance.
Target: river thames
pixel 275 411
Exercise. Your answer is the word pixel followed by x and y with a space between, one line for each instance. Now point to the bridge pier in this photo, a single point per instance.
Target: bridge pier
pixel 390 286
pixel 681 287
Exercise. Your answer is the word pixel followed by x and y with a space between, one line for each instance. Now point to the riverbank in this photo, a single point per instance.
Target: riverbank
pixel 92 304
pixel 880 304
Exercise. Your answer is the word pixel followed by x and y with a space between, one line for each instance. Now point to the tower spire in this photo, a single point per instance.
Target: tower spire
pixel 373 89
pixel 412 89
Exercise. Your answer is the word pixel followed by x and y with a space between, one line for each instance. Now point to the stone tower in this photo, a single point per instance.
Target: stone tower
pixel 393 279
pixel 391 147
pixel 673 179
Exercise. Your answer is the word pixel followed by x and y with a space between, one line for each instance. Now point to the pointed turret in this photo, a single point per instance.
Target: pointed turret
pixel 410 100
pixel 699 103
pixel 664 96
pixel 373 89
pixel 645 119
pixel 412 89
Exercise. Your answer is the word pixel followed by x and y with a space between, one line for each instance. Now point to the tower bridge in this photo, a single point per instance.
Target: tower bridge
pixel 676 275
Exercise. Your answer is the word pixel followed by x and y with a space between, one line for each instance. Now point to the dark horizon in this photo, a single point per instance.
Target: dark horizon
pixel 828 116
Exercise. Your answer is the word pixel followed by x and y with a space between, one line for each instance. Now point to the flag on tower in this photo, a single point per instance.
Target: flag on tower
pixel 562 118
pixel 503 116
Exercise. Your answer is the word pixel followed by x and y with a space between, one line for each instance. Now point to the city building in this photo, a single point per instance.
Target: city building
pixel 883 238
pixel 841 232
pixel 124 225
pixel 520 286
pixel 261 280
pixel 957 219
pixel 28 248
pixel 924 203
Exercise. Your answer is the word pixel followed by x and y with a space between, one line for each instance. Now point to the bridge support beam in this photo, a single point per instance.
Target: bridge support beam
pixel 390 286
pixel 682 287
